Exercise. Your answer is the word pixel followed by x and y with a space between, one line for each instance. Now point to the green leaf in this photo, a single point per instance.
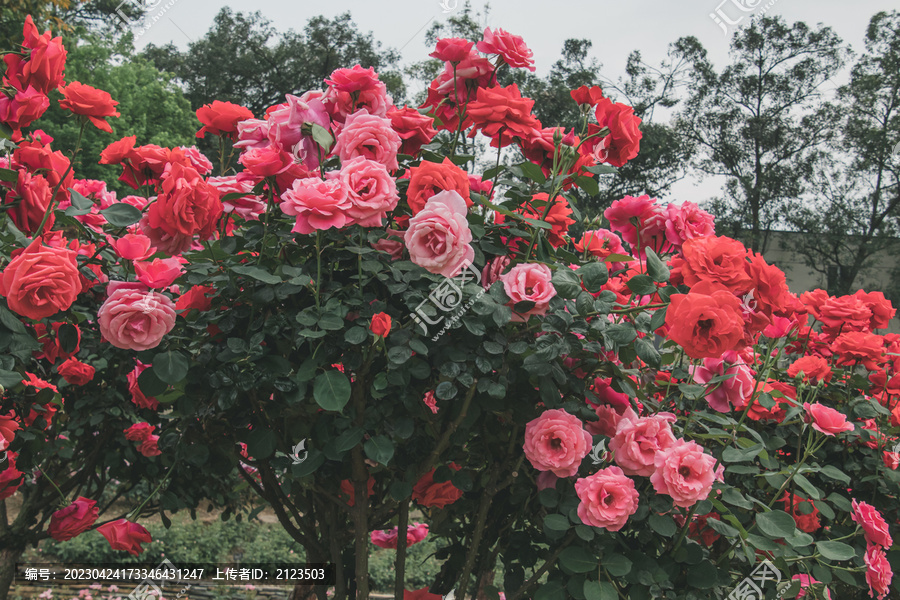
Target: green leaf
pixel 11 321
pixel 552 590
pixel 380 449
pixel 776 524
pixel 566 282
pixel 647 352
pixel 171 366
pixel 835 550
pixel 349 439
pixel 621 333
pixel 121 215
pixel 321 136
pixel 601 169
pixel 807 486
pixel 356 335
pixel 720 527
pixel 578 560
pixel 617 565
pixel 556 522
pixel 331 390
pixel 663 525
pixel 80 202
pixel 400 490
pixel 835 473
pixel 9 379
pixel 641 285
pixel 261 443
pixel 703 575
pixel 656 268
pixel 532 172
pixel 256 273
pixel 330 322
pixel 151 385
pixel 595 590
pixel 9 175
pixel 593 275
pixel 618 258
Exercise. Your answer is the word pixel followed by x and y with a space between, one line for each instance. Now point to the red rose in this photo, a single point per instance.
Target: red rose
pixel 501 113
pixel 624 139
pixel 421 594
pixel 41 281
pixel 139 432
pixel 137 396
pixel 808 523
pixel 430 178
pixel 46 60
pixel 196 297
pixel 25 107
pixel 705 325
pixel 125 535
pixel 813 368
pixel 590 96
pixel 452 50
pixel 221 118
pixel 881 308
pixel 859 347
pixel 150 446
pixel 8 427
pixel 90 102
pixel 718 260
pixel 266 161
pixel 187 205
pixel 428 493
pixel 76 372
pixel 381 324
pixel 33 194
pixel 558 217
pixel 10 478
pixel 73 520
pixel 37 157
pixel 414 129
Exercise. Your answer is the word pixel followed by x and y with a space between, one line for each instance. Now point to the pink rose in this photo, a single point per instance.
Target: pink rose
pixel 285 128
pixel 371 189
pixel 493 271
pixel 529 282
pixel 248 207
pixel 415 533
pixel 438 237
pixel 608 498
pixel 135 319
pixel 317 204
pixel 878 572
pixel 252 133
pixel 160 273
pixel 891 460
pixel 607 422
pixel 685 473
pixel 732 392
pixel 556 441
pixel 355 88
pixel 827 420
pixel 511 48
pixel 873 524
pixel 808 581
pixel 687 221
pixel 430 401
pixel 639 440
pixel 368 136
pixel 132 246
pixel 391 244
pixel 545 480
pixel 150 446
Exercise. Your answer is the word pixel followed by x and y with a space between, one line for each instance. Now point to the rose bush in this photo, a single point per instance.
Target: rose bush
pixel 349 281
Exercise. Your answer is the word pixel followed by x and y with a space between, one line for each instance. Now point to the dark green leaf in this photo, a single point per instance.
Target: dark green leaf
pixel 256 273
pixel 616 564
pixel 593 275
pixel 776 524
pixel 656 268
pixel 641 285
pixel 566 282
pixel 578 560
pixel 835 550
pixel 556 522
pixel 663 525
pixel 380 449
pixel 121 215
pixel 171 366
pixel 321 136
pixel 331 390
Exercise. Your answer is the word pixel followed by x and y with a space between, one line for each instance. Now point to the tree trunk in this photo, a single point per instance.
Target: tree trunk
pixel 8 558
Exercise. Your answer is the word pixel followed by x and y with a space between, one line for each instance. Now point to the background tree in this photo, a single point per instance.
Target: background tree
pixel 61 16
pixel 152 107
pixel 243 59
pixel 851 213
pixel 760 121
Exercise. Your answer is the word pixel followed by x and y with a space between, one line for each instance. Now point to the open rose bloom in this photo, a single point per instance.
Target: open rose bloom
pixel 338 308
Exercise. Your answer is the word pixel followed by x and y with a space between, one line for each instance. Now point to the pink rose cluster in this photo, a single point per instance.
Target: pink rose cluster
pixel 643 223
pixel 642 447
pixel 878 541
pixel 134 317
pixel 415 533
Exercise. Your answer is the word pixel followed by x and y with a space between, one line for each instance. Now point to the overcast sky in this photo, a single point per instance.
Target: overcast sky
pixel 616 28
